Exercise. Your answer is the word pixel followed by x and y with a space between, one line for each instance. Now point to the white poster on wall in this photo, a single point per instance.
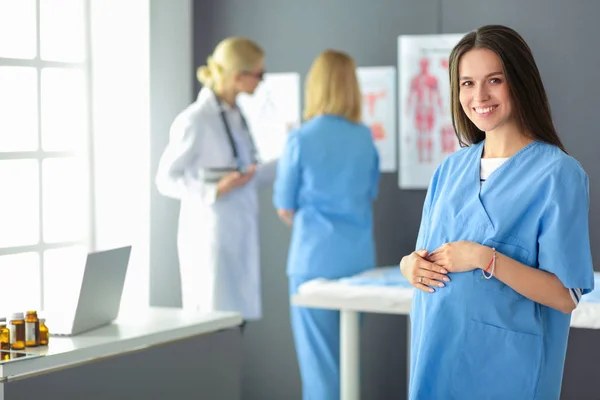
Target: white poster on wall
pixel 426 131
pixel 378 86
pixel 272 111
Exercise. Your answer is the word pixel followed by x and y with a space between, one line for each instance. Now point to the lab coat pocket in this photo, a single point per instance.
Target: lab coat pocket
pixel 497 363
pixel 510 247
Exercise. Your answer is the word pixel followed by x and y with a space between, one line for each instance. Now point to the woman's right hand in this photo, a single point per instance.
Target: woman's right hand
pixel 287 216
pixel 234 180
pixel 422 274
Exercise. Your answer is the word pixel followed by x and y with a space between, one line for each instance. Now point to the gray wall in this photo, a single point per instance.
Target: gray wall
pixel 170 92
pixel 564 37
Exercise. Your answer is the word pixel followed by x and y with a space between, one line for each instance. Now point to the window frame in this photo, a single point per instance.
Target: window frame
pixel 87 154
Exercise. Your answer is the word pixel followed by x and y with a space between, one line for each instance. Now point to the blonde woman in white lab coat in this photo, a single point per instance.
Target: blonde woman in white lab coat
pixel 211 165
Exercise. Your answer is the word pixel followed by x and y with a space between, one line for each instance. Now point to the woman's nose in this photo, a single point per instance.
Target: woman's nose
pixel 481 93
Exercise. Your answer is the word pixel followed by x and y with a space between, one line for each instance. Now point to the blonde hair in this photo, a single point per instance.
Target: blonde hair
pixel 234 54
pixel 332 87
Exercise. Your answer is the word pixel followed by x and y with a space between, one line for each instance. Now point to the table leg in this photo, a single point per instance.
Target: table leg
pixel 349 355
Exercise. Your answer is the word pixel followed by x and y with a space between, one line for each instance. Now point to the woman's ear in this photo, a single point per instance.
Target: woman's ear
pixel 236 77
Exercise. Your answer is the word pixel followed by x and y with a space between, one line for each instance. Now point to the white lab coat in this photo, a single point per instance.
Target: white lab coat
pixel 217 238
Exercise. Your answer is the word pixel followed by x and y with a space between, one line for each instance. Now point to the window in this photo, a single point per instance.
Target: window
pixel 46 210
pixel 74 145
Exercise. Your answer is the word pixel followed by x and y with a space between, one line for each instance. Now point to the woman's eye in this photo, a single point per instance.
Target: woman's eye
pixel 495 80
pixel 466 83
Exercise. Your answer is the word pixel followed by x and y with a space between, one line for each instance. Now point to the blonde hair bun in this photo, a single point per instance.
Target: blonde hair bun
pixel 204 75
pixel 231 55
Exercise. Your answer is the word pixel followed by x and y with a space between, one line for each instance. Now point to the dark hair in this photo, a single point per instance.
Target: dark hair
pixel 530 103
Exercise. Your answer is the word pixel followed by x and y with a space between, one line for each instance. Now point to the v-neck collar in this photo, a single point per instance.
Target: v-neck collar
pixel 479 189
pixel 511 160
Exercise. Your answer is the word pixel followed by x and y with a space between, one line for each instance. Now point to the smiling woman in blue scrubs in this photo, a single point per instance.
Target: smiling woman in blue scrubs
pixel 326 182
pixel 503 251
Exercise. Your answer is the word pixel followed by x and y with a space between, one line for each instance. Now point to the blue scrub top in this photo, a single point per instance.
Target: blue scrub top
pixel 329 174
pixel 478 338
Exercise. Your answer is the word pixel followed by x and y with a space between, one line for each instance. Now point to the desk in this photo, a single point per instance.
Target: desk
pixel 129 334
pixel 384 290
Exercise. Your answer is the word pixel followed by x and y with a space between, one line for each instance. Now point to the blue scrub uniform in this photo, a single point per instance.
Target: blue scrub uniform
pixel 329 174
pixel 478 338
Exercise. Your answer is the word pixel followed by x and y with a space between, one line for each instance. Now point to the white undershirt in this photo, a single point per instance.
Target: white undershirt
pixel 489 165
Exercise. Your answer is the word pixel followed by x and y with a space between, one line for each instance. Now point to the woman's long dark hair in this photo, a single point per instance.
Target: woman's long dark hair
pixel 530 103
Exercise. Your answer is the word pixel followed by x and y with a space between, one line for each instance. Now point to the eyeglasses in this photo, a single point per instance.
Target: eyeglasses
pixel 258 75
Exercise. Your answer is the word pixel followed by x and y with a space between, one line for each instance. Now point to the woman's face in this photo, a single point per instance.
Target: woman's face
pixel 247 81
pixel 483 92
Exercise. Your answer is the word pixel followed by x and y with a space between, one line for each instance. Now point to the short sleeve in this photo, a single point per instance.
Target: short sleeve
pixel 287 180
pixel 563 241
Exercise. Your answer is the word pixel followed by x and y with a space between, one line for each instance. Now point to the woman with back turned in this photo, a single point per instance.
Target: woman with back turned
pixel 326 182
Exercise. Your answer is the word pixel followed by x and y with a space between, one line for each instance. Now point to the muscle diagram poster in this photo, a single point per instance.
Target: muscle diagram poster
pixel 426 132
pixel 272 111
pixel 378 87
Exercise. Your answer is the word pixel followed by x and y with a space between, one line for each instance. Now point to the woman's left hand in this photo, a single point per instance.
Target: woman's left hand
pixel 461 256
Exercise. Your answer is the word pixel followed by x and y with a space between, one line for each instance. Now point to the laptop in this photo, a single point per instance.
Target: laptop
pixel 99 297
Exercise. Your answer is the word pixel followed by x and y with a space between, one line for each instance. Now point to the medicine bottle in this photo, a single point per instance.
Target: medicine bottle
pixel 4 335
pixel 44 333
pixel 32 329
pixel 17 331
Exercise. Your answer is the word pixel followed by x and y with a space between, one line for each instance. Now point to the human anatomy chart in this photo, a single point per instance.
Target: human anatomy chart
pixel 426 131
pixel 378 85
pixel 272 111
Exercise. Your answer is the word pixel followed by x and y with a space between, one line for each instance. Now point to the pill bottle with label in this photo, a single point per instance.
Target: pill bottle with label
pixel 17 331
pixel 32 329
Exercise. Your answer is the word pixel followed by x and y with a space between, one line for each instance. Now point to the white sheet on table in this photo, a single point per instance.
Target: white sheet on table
pixel 390 299
pixel 397 300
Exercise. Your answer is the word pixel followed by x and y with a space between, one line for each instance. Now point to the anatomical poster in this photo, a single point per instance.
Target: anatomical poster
pixel 378 86
pixel 426 131
pixel 272 111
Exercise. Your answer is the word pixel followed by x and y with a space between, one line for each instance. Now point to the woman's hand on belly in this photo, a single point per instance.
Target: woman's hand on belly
pixel 461 256
pixel 421 273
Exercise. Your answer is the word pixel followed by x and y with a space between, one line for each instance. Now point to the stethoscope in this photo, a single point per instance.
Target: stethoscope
pixel 234 150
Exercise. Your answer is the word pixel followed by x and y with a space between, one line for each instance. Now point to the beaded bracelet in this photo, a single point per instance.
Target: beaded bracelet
pixel 492 264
